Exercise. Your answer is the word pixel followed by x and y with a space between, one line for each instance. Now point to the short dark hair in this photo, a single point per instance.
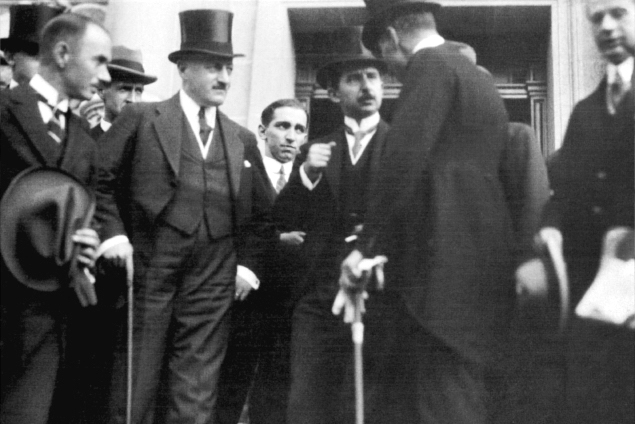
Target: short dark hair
pixel 409 20
pixel 67 27
pixel 267 114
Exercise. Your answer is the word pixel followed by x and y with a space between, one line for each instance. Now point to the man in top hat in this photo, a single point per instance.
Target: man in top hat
pixel 22 46
pixel 325 198
pixel 593 186
pixel 442 213
pixel 38 129
pixel 184 188
pixel 257 362
pixel 128 80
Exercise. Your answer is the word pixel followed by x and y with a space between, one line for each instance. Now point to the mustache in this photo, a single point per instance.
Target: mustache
pixel 220 86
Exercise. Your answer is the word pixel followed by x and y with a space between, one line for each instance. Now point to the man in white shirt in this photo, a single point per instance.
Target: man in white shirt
pixel 257 361
pixel 326 198
pixel 592 181
pixel 185 187
pixel 38 129
pixel 128 80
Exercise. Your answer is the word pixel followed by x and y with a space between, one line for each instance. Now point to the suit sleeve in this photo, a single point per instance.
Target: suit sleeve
pixel 524 177
pixel 114 157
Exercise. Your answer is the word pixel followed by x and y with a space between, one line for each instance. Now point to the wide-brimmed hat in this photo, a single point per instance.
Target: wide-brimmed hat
pixel 127 65
pixel 25 24
pixel 348 51
pixel 205 32
pixel 382 11
pixel 39 213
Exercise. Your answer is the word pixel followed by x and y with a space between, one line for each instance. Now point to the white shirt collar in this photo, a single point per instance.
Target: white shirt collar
pixel 428 42
pixel 625 69
pixel 105 125
pixel 13 83
pixel 272 167
pixel 49 92
pixel 366 123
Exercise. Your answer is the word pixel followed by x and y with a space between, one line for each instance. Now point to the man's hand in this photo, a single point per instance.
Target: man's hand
pixel 243 288
pixel 88 242
pixel 531 281
pixel 351 276
pixel 317 159
pixel 120 256
pixel 293 238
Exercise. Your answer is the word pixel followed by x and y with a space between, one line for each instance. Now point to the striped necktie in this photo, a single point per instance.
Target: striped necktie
pixel 615 93
pixel 54 126
pixel 359 135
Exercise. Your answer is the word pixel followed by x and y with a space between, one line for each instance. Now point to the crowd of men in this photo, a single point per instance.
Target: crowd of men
pixel 241 263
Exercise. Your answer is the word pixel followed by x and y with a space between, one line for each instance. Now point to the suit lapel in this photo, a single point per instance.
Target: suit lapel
pixel 25 109
pixel 169 128
pixel 234 150
pixel 377 146
pixel 75 139
pixel 334 169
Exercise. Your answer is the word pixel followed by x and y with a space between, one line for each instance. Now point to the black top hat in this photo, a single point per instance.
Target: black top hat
pixel 39 212
pixel 126 65
pixel 26 23
pixel 205 32
pixel 381 11
pixel 348 51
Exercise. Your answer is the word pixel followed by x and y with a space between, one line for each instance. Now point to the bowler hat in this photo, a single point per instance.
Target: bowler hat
pixel 25 24
pixel 126 65
pixel 39 213
pixel 205 32
pixel 348 50
pixel 381 11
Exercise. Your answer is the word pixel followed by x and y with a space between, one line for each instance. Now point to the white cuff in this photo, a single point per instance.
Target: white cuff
pixel 306 181
pixel 112 241
pixel 247 275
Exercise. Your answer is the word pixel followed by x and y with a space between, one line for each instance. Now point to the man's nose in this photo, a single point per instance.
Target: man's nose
pixel 103 75
pixel 223 75
pixel 133 97
pixel 608 23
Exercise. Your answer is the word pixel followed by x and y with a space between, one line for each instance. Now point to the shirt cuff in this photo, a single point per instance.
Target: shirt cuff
pixel 247 275
pixel 112 241
pixel 306 181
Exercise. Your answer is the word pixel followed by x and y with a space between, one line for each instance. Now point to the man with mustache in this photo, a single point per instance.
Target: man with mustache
pixel 326 198
pixel 37 128
pixel 183 200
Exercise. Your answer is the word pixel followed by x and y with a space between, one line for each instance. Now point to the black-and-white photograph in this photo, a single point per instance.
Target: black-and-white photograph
pixel 317 211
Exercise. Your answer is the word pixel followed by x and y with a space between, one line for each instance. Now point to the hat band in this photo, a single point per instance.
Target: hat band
pixel 130 64
pixel 213 47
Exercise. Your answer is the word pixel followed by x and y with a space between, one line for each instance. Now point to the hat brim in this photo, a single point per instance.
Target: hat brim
pixel 324 72
pixel 121 73
pixel 374 27
pixel 174 57
pixel 39 212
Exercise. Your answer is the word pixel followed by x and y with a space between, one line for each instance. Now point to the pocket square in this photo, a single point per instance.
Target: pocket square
pixel 247 164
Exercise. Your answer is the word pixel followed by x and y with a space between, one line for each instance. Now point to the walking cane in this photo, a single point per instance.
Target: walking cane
pixel 357 327
pixel 129 280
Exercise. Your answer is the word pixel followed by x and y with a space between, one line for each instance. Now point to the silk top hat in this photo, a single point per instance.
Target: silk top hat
pixel 349 51
pixel 205 32
pixel 25 24
pixel 381 11
pixel 39 212
pixel 126 65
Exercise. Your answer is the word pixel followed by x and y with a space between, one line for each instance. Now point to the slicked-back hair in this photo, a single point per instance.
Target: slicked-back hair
pixel 267 114
pixel 410 21
pixel 68 27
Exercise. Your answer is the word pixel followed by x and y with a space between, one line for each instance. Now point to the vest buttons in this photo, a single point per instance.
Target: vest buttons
pixel 601 175
pixel 597 210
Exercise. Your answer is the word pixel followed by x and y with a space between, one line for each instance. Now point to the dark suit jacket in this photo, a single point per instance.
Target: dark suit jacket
pixel 318 213
pixel 593 184
pixel 440 211
pixel 25 142
pixel 97 132
pixel 139 158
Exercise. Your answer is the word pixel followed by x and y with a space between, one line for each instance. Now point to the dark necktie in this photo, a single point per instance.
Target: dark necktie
pixel 205 130
pixel 54 126
pixel 359 135
pixel 615 93
pixel 281 180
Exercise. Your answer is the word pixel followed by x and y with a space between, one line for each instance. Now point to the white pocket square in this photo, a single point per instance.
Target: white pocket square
pixel 247 164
